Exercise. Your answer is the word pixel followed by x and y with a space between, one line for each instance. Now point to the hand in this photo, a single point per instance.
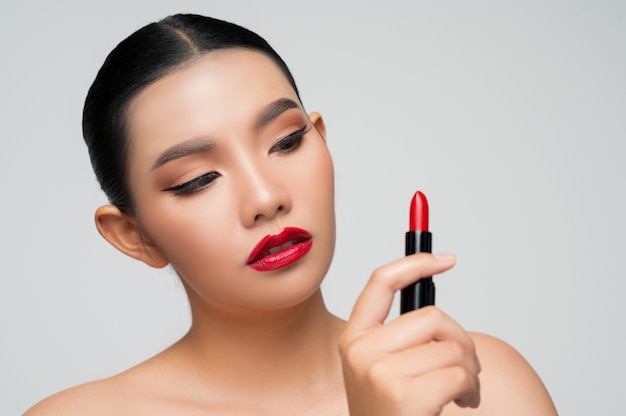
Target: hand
pixel 413 365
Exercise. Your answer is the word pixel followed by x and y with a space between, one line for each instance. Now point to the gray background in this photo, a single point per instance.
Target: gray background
pixel 508 115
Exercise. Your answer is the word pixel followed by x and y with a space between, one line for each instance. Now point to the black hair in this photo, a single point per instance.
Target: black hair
pixel 147 55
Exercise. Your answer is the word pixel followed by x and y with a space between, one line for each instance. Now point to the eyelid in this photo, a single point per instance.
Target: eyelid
pixel 205 180
pixel 193 185
pixel 296 135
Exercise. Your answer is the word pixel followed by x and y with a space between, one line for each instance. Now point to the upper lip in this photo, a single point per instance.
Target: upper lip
pixel 276 240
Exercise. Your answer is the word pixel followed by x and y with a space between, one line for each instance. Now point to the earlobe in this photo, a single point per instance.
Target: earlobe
pixel 124 234
pixel 318 122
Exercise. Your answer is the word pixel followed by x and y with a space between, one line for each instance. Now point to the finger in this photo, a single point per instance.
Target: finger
pixel 418 327
pixel 423 359
pixel 372 306
pixel 450 384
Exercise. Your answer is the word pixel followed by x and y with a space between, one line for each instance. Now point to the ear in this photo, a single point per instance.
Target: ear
pixel 318 122
pixel 124 234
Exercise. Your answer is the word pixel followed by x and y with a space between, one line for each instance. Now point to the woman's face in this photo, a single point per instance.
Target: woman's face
pixel 222 155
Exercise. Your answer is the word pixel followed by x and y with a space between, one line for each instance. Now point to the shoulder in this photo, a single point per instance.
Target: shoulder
pixel 147 388
pixel 92 399
pixel 508 384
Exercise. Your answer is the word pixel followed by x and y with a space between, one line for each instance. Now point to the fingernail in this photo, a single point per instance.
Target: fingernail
pixel 444 256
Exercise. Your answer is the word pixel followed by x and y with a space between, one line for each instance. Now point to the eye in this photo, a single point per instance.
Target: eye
pixel 290 143
pixel 196 184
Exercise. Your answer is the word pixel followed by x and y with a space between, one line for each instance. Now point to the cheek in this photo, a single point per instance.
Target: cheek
pixel 193 233
pixel 320 197
pixel 316 191
pixel 318 182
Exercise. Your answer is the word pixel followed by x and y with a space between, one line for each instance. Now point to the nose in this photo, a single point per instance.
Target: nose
pixel 262 195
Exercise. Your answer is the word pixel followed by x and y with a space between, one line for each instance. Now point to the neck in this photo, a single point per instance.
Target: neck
pixel 267 351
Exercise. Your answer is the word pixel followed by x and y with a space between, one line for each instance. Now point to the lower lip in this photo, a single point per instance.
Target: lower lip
pixel 282 258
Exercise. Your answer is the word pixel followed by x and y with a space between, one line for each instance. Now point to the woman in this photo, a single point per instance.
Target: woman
pixel 198 137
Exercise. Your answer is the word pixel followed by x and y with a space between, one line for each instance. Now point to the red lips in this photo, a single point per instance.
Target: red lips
pixel 280 250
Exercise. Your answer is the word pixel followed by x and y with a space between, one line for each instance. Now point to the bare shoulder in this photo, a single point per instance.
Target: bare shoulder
pixel 508 384
pixel 149 388
pixel 118 395
pixel 94 398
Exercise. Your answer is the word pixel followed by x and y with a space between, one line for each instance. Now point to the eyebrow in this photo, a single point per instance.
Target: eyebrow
pixel 273 110
pixel 186 148
pixel 202 145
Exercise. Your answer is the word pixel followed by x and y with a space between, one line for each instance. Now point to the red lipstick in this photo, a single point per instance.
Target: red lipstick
pixel 280 250
pixel 418 240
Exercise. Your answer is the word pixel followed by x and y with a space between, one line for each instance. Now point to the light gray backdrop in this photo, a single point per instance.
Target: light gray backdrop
pixel 510 116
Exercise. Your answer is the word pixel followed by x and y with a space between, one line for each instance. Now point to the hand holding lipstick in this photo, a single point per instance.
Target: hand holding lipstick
pixel 413 365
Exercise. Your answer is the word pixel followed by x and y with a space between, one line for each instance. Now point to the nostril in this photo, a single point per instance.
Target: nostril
pixel 268 214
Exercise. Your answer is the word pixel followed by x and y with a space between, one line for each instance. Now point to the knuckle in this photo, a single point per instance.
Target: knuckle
pixel 462 377
pixel 394 392
pixel 377 372
pixel 454 351
pixel 471 347
pixel 433 313
pixel 343 343
pixel 397 393
pixel 380 275
pixel 351 350
pixel 469 387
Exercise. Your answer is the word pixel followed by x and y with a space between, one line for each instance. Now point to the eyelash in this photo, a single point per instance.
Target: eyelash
pixel 196 184
pixel 287 145
pixel 290 143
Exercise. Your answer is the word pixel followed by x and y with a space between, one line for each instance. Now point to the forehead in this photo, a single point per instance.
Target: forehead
pixel 219 91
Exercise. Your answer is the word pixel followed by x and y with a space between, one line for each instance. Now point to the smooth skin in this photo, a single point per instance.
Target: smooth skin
pixel 263 343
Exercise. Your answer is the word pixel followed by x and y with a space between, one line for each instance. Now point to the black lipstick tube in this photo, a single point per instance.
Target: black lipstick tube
pixel 422 292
